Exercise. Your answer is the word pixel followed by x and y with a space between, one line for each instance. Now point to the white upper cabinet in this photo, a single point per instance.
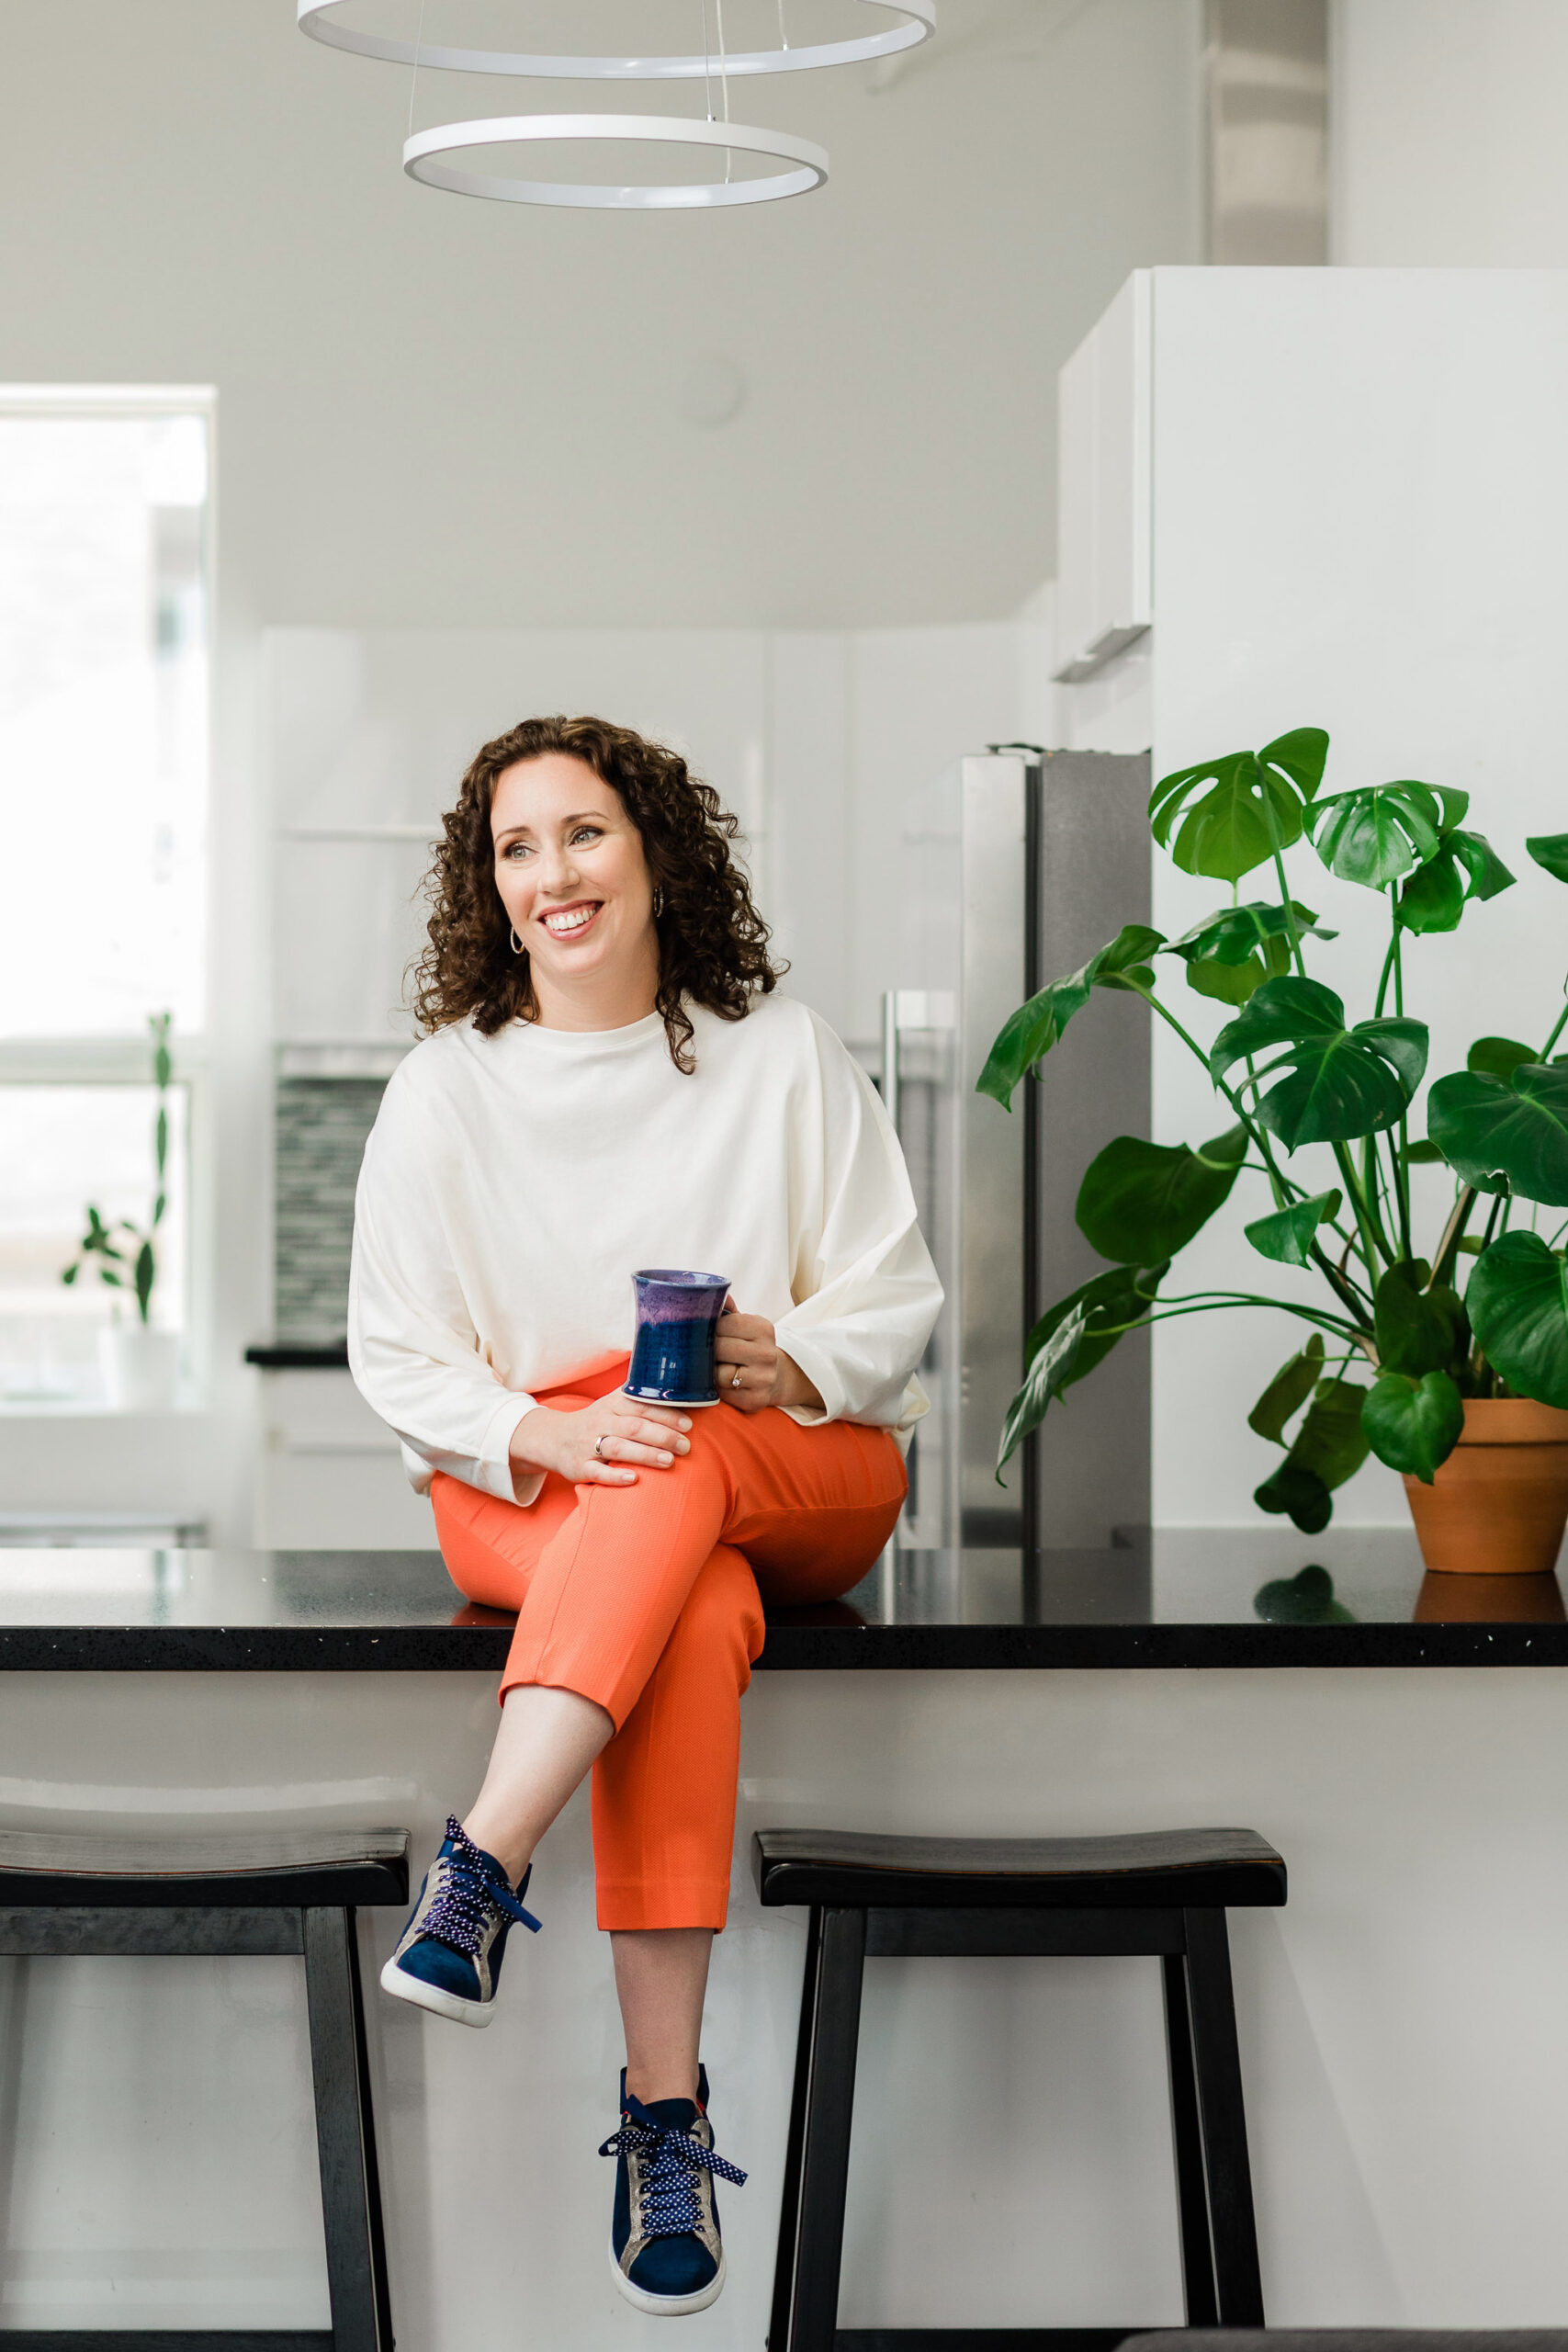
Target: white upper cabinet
pixel 1104 492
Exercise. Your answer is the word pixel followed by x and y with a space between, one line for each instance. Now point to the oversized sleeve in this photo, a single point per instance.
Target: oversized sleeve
pixel 866 1293
pixel 412 1348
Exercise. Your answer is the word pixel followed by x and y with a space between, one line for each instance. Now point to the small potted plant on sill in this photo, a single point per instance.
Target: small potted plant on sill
pixel 1460 1384
pixel 140 1364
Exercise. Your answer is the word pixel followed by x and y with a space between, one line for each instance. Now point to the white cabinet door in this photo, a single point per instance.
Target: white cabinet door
pixel 332 1476
pixel 1104 490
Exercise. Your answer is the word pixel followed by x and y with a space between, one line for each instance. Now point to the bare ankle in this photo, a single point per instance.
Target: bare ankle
pixel 650 2083
pixel 514 1859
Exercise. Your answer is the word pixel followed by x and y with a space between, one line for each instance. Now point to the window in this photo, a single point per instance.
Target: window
pixel 105 530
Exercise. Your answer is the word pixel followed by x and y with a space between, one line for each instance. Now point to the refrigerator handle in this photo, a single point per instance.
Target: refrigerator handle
pixel 890 1055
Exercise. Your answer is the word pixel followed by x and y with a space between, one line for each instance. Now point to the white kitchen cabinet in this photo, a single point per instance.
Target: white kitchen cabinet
pixel 332 1476
pixel 1104 585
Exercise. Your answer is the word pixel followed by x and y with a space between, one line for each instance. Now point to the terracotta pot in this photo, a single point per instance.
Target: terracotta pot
pixel 1500 1501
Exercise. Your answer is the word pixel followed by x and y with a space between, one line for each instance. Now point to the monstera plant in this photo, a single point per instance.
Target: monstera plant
pixel 1397 1338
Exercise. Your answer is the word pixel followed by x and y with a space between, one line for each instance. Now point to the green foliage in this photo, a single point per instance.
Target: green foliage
pixel 1287 1236
pixel 134 1267
pixel 1140 1202
pixel 1463 866
pixel 1329 1447
pixel 1035 1027
pixel 1069 1340
pixel 1288 1391
pixel 1296 1070
pixel 1497 1057
pixel 1252 809
pixel 1384 831
pixel 1550 852
pixel 1340 1083
pixel 1414 1425
pixel 1518 1299
pixel 1505 1135
pixel 1230 954
pixel 1419 1326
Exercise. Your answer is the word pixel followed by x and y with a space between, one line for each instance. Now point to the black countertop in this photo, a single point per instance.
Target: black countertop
pixel 1192 1598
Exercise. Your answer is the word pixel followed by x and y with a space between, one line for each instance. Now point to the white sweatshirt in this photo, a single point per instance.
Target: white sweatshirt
pixel 512 1184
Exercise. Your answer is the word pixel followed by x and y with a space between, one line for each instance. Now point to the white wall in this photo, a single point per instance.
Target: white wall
pixel 1406 2070
pixel 1447 147
pixel 451 413
pixel 1361 506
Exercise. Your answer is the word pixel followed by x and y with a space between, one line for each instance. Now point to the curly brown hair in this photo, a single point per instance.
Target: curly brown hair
pixel 713 944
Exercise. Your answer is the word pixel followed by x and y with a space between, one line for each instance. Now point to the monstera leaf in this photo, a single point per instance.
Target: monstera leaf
pixel 1035 1027
pixel 1464 866
pixel 1286 1235
pixel 1230 954
pixel 1253 805
pixel 1329 1447
pixel 1288 1391
pixel 1384 830
pixel 1419 1327
pixel 1339 1082
pixel 1505 1135
pixel 1518 1303
pixel 1414 1425
pixel 1550 852
pixel 1140 1202
pixel 1069 1340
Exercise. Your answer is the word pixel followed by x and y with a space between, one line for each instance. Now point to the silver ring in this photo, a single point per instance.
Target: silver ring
pixel 597 1443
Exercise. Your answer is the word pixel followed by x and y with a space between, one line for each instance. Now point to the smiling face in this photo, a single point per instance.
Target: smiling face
pixel 572 876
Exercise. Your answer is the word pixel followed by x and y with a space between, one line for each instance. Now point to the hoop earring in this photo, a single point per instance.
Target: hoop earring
pixel 517 946
pixel 658 900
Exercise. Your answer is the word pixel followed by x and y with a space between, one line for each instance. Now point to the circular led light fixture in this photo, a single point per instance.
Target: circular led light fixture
pixel 807 165
pixel 917 23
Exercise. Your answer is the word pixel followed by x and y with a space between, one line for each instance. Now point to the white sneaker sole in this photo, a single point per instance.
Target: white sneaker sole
pixel 404 1987
pixel 668 2306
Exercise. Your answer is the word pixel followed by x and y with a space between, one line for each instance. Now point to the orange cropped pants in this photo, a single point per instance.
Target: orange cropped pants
pixel 649 1601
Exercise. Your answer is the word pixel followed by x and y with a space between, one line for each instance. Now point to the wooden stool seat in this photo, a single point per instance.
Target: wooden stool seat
pixel 225 1893
pixel 1163 1892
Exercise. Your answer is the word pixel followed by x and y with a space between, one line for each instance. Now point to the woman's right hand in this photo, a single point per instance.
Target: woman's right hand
pixel 596 1445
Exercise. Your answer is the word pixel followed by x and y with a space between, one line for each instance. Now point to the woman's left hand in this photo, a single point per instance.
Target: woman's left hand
pixel 753 1371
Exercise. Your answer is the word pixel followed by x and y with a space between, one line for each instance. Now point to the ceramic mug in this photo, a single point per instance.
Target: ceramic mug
pixel 677 1322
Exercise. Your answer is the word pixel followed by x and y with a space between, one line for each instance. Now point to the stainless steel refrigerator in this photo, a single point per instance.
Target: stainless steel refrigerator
pixel 1016 865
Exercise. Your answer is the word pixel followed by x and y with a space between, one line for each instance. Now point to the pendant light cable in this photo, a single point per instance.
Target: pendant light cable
pixel 707 67
pixel 418 45
pixel 783 37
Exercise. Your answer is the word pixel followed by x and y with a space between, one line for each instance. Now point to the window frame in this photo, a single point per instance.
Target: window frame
pixel 88 1061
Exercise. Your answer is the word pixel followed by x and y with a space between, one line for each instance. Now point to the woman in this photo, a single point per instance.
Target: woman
pixel 611 1082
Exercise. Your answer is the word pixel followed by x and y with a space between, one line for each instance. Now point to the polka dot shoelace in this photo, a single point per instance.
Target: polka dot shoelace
pixel 669 2203
pixel 474 1889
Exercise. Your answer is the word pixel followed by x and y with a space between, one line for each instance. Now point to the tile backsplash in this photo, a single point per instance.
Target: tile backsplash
pixel 321 1124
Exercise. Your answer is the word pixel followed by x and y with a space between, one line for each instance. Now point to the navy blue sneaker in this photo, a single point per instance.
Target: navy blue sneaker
pixel 666 2256
pixel 449 1957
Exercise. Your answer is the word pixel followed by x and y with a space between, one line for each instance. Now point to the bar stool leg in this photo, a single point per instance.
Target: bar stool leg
pixel 351 2205
pixel 830 2114
pixel 1192 2195
pixel 1224 2119
pixel 789 2202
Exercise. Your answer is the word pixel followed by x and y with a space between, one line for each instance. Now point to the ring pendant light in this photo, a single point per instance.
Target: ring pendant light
pixel 806 165
pixel 918 21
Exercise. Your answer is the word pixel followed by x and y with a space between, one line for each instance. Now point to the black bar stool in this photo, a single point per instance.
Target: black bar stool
pixel 267 1892
pixel 1166 1894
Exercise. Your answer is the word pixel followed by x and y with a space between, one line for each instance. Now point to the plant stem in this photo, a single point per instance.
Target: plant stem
pixel 1447 1247
pixel 1286 1185
pixel 1286 900
pixel 1216 1305
pixel 1561 1024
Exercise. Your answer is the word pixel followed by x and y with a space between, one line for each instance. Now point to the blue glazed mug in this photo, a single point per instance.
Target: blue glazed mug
pixel 677 1323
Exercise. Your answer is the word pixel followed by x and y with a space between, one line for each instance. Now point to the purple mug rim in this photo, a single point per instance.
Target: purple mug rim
pixel 678 1278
